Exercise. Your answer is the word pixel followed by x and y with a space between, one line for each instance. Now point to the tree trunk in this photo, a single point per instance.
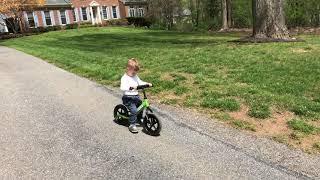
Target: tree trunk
pixel 229 9
pixel 318 15
pixel 197 13
pixel 21 22
pixel 224 15
pixel 269 20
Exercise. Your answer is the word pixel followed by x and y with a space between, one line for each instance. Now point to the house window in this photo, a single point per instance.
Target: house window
pixel 47 18
pixel 131 11
pixel 30 19
pixel 114 12
pixel 74 15
pixel 63 17
pixel 104 12
pixel 140 12
pixel 84 14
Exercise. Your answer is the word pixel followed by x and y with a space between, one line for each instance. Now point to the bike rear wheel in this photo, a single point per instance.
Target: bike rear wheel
pixel 152 124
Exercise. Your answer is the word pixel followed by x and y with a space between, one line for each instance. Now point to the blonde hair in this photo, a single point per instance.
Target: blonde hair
pixel 133 64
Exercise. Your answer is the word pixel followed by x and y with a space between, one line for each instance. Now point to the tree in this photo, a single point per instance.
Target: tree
pixel 195 8
pixel 14 9
pixel 269 20
pixel 164 12
pixel 229 9
pixel 224 15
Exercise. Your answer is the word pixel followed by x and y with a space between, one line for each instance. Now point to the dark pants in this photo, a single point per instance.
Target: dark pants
pixel 132 103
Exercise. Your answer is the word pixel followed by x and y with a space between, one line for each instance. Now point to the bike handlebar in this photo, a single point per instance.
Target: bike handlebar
pixel 140 87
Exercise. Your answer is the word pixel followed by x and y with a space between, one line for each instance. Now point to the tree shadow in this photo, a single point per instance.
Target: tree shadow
pixel 100 42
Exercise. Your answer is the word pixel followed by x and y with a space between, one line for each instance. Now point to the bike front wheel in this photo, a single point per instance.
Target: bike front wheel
pixel 152 124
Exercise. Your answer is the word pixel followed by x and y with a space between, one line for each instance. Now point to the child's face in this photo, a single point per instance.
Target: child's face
pixel 132 71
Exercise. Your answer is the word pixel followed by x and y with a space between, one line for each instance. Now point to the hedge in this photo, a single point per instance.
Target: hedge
pixel 139 21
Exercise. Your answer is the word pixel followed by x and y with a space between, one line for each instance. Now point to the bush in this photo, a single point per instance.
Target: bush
pixel 4 33
pixel 118 22
pixel 9 36
pixel 72 26
pixel 184 26
pixel 42 29
pixel 139 21
pixel 57 28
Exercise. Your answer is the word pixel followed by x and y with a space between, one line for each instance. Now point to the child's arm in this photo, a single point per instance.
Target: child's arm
pixel 140 82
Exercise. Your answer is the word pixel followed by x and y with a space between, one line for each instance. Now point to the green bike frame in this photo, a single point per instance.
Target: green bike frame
pixel 145 104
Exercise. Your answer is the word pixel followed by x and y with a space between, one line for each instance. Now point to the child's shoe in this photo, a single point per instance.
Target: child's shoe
pixel 133 128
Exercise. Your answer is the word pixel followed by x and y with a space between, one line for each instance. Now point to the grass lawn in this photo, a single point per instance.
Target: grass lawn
pixel 270 89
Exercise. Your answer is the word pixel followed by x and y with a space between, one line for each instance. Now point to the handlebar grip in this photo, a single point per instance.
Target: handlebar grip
pixel 143 86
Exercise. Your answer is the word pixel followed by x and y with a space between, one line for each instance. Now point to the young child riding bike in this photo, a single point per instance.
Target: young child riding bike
pixel 129 83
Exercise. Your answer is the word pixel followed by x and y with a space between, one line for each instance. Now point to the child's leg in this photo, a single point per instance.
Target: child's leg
pixel 131 105
pixel 138 103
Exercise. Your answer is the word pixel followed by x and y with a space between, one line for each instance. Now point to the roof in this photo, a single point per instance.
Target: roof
pixel 58 2
pixel 134 2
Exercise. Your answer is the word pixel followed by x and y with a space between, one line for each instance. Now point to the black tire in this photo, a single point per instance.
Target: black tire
pixel 152 124
pixel 120 110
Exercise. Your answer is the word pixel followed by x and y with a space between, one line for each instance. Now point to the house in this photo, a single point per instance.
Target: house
pixel 3 25
pixel 63 12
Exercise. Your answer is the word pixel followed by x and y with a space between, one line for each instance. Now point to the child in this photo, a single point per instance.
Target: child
pixel 131 97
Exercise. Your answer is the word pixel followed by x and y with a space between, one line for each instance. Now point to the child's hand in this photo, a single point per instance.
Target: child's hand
pixel 150 84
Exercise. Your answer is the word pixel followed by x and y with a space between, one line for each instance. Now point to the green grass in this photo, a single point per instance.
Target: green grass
pixel 201 70
pixel 243 125
pixel 317 146
pixel 303 127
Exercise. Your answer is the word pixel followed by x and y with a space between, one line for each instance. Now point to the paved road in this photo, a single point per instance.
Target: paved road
pixel 56 125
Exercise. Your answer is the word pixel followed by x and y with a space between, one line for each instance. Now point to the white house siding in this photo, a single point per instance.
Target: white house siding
pixel 3 26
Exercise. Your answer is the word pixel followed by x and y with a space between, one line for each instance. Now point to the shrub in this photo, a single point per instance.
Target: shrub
pixel 184 27
pixel 4 33
pixel 71 26
pixel 139 21
pixel 57 28
pixel 9 36
pixel 118 22
pixel 42 29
